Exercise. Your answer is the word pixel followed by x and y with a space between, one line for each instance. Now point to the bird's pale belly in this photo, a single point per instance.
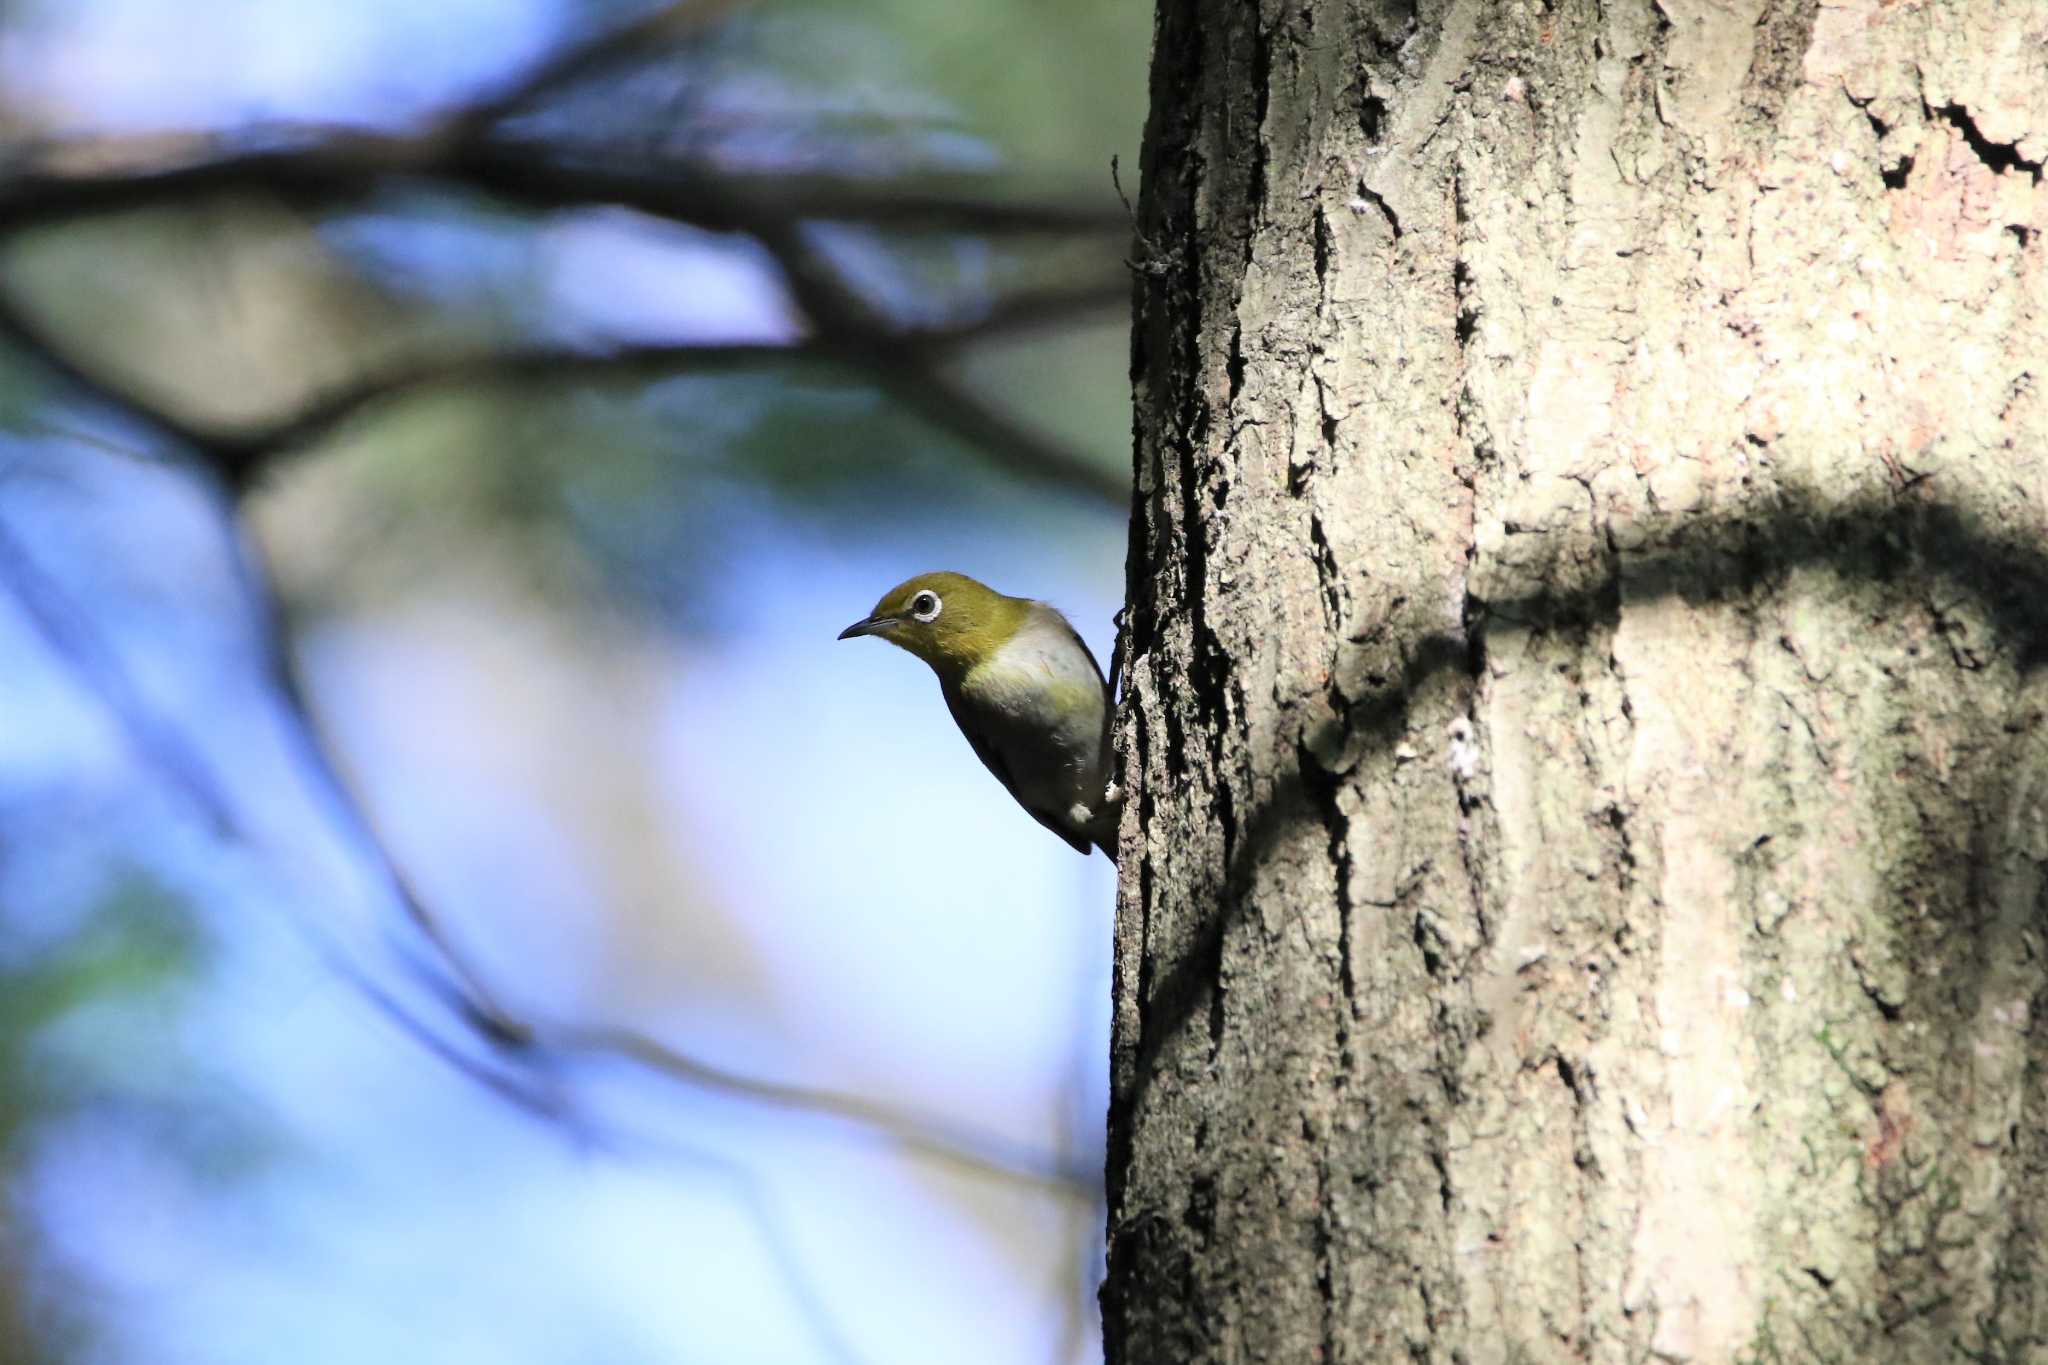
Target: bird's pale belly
pixel 1043 707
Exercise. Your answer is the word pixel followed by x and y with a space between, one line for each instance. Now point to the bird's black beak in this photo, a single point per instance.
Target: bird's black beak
pixel 867 627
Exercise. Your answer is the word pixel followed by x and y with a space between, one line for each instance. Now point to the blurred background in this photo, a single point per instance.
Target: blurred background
pixel 458 902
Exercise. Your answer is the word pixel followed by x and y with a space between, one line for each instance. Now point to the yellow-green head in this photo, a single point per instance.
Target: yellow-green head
pixel 947 619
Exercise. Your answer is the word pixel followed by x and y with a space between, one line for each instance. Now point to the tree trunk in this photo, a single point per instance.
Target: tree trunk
pixel 1582 893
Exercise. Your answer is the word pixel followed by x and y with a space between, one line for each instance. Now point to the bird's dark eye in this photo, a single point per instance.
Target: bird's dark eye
pixel 925 606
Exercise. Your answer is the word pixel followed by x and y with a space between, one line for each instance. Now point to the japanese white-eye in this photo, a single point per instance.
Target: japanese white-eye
pixel 1024 690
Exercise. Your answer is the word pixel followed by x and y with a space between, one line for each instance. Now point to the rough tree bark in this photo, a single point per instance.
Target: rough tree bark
pixel 1583 897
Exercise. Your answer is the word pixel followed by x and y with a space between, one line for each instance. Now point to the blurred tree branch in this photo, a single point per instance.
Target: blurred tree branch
pixel 901 361
pixel 517 1059
pixel 70 637
pixel 328 168
pixel 44 602
pixel 345 166
pixel 465 149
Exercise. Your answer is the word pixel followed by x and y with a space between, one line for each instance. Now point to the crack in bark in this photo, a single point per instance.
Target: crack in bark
pixel 1332 1341
pixel 1329 577
pixel 1366 196
pixel 1895 172
pixel 1999 156
pixel 1262 90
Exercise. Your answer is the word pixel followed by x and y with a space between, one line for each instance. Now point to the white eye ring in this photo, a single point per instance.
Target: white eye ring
pixel 926 606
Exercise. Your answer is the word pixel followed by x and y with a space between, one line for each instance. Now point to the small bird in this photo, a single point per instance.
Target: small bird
pixel 1024 690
